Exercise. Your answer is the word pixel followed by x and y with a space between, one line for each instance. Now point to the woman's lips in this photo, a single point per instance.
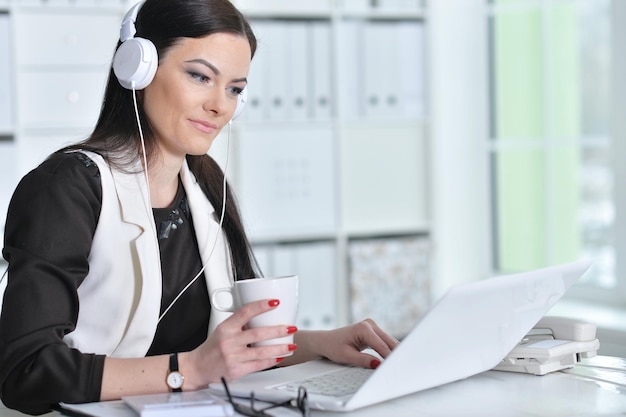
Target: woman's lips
pixel 204 126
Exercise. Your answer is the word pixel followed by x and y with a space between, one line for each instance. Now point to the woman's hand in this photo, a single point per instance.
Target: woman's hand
pixel 227 352
pixel 345 344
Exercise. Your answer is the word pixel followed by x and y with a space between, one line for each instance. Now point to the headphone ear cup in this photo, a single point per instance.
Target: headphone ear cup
pixel 135 62
pixel 241 103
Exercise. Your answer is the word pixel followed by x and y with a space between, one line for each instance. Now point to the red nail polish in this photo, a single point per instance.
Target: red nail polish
pixel 274 303
pixel 291 329
pixel 293 347
pixel 374 363
pixel 279 360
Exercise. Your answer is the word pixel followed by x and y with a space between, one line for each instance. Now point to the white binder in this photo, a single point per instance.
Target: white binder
pixel 315 265
pixel 298 97
pixel 381 61
pixel 410 38
pixel 257 106
pixel 277 69
pixel 321 52
pixel 350 76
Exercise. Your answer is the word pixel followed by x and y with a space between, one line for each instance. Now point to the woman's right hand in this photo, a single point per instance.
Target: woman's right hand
pixel 228 350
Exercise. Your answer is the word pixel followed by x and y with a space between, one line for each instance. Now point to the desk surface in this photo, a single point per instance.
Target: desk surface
pixel 595 387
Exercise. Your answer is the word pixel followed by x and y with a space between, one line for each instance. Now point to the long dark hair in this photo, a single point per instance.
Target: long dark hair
pixel 116 136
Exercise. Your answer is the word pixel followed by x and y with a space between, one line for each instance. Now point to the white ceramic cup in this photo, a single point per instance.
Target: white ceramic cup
pixel 284 289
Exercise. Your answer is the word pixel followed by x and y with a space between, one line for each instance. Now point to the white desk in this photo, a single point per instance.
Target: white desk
pixel 595 387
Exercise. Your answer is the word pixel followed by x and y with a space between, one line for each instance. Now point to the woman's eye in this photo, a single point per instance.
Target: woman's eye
pixel 199 77
pixel 235 91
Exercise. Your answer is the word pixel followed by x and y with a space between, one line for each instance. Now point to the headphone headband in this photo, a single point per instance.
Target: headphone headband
pixel 127 31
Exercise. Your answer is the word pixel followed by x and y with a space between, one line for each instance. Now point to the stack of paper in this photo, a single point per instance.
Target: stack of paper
pixel 180 404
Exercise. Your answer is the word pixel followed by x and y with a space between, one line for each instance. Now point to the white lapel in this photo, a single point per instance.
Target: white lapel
pixel 134 200
pixel 214 253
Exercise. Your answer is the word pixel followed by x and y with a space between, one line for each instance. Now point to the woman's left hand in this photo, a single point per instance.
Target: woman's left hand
pixel 345 344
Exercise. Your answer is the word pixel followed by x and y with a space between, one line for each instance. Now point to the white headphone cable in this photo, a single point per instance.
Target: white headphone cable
pixel 217 235
pixel 143 145
pixel 4 274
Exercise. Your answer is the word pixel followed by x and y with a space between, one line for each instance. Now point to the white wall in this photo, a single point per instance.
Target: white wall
pixel 618 81
pixel 458 98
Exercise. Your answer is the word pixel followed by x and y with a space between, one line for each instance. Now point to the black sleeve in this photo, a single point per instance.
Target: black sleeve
pixel 49 229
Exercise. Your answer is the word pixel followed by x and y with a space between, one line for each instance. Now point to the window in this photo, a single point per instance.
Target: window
pixel 550 145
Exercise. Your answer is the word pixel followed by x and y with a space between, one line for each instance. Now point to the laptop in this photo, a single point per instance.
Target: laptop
pixel 466 332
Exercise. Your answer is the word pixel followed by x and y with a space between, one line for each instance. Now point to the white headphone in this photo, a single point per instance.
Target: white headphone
pixel 136 60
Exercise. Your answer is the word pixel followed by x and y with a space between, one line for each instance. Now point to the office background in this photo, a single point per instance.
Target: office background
pixel 389 148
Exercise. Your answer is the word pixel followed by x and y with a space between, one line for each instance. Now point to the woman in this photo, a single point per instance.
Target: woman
pixel 103 236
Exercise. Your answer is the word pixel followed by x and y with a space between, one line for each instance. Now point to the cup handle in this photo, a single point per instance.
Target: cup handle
pixel 215 300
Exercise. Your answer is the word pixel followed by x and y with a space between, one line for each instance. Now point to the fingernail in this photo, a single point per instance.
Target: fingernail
pixel 293 347
pixel 374 363
pixel 291 329
pixel 279 360
pixel 273 303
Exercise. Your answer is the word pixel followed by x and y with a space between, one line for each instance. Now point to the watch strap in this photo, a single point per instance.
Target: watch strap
pixel 174 368
pixel 174 362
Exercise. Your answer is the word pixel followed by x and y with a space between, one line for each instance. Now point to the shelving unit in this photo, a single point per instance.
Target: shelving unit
pixel 329 155
pixel 56 60
pixel 351 173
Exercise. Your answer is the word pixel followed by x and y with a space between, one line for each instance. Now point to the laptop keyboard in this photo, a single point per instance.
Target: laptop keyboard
pixel 337 384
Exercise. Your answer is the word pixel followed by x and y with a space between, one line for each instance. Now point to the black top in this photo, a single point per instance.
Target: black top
pixel 50 226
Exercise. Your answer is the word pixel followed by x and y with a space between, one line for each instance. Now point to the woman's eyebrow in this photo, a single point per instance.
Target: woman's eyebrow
pixel 214 68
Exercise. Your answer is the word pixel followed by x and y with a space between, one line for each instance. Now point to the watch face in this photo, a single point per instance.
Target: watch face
pixel 175 380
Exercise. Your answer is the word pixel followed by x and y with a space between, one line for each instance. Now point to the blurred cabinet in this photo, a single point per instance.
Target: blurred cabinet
pixel 7 146
pixel 62 55
pixel 330 150
pixel 54 60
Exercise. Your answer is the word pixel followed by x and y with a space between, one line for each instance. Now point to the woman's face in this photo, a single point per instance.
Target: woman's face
pixel 195 92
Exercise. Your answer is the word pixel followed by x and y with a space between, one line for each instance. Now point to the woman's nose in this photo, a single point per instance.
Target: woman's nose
pixel 216 101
